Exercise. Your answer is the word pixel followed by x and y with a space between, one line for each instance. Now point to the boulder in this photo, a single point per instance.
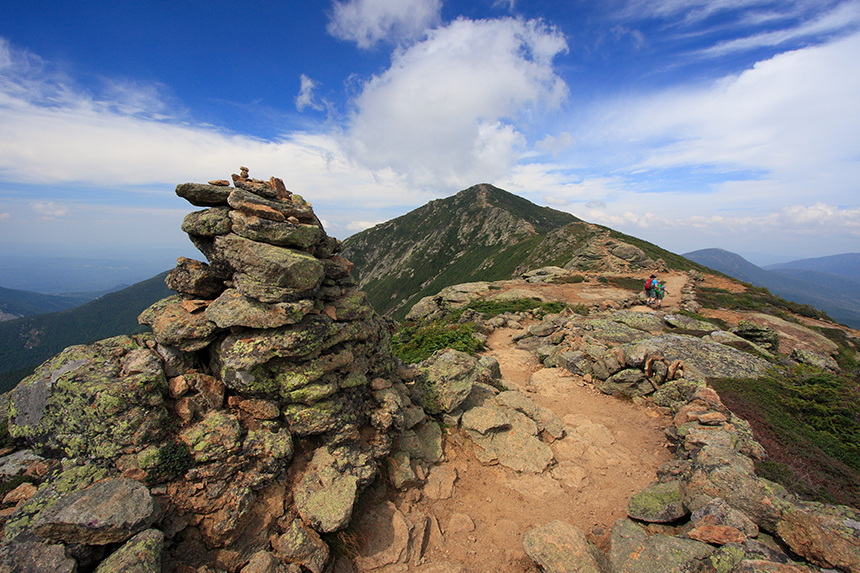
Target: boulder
pixel 195 279
pixel 559 547
pixel 269 264
pixel 203 195
pixel 642 553
pixel 302 545
pixel 140 554
pixel 179 323
pixel 208 223
pixel 232 308
pixel 110 511
pixel 33 557
pixel 446 379
pixel 826 535
pixel 658 503
pixel 93 401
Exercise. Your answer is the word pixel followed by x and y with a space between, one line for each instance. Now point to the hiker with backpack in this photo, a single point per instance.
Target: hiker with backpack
pixel 650 294
pixel 659 293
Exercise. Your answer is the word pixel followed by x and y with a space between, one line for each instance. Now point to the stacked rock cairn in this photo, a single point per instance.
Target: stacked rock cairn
pixel 247 422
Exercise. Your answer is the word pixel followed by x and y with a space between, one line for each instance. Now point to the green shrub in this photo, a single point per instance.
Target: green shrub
pixel 572 279
pixel 491 308
pixel 174 459
pixel 808 420
pixel 416 343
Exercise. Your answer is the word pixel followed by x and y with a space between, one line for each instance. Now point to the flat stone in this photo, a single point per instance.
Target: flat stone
pixel 140 554
pixel 110 511
pixel 559 547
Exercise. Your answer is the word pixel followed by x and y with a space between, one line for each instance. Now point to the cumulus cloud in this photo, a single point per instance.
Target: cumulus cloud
pixel 306 98
pixel 449 109
pixel 369 22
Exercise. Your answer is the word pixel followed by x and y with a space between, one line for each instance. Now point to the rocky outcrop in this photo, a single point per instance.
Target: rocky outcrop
pixel 242 428
pixel 708 510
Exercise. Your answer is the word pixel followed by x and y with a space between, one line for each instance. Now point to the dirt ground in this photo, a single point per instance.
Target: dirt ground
pixel 482 524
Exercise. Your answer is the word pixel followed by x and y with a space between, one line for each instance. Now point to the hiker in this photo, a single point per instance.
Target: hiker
pixel 650 283
pixel 659 293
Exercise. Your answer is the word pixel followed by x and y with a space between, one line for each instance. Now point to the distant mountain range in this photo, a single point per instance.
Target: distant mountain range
pixel 27 342
pixel 831 284
pixel 19 303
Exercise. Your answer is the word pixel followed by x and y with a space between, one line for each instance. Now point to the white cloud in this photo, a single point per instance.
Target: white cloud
pixel 791 120
pixel 844 17
pixel 49 209
pixel 368 22
pixel 356 226
pixel 5 216
pixel 306 98
pixel 449 109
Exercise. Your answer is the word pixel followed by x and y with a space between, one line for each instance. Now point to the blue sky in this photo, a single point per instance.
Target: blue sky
pixel 691 124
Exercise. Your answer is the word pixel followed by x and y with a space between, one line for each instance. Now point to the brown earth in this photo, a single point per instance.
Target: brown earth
pixel 492 507
pixel 482 523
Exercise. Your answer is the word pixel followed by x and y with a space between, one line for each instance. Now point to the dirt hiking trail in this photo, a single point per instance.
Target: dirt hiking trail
pixel 617 450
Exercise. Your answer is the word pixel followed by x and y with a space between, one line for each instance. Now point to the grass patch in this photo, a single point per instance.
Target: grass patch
pixel 629 283
pixel 808 420
pixel 416 343
pixel 756 299
pixel 491 308
pixel 568 280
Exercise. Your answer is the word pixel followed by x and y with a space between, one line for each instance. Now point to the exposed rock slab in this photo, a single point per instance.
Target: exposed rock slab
pixel 110 511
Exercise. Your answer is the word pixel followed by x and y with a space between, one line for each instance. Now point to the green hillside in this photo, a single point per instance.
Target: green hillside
pixel 27 342
pixel 25 303
pixel 481 233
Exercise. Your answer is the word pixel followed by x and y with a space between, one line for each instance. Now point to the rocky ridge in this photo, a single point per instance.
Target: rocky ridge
pixel 707 511
pixel 238 432
pixel 239 435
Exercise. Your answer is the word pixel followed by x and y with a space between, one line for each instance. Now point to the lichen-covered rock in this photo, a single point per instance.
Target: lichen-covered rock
pixel 611 330
pixel 559 547
pixel 34 557
pixel 303 546
pixel 278 233
pixel 718 512
pixel 658 503
pixel 214 437
pixel 208 223
pixel 424 442
pixel 446 379
pixel 195 279
pixel 269 264
pixel 826 535
pixel 761 500
pixel 203 195
pixel 629 382
pixel 243 351
pixel 110 511
pixel 710 358
pixel 684 322
pixel 179 323
pixel 93 401
pixel 805 356
pixel 655 553
pixel 140 554
pixel 232 308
